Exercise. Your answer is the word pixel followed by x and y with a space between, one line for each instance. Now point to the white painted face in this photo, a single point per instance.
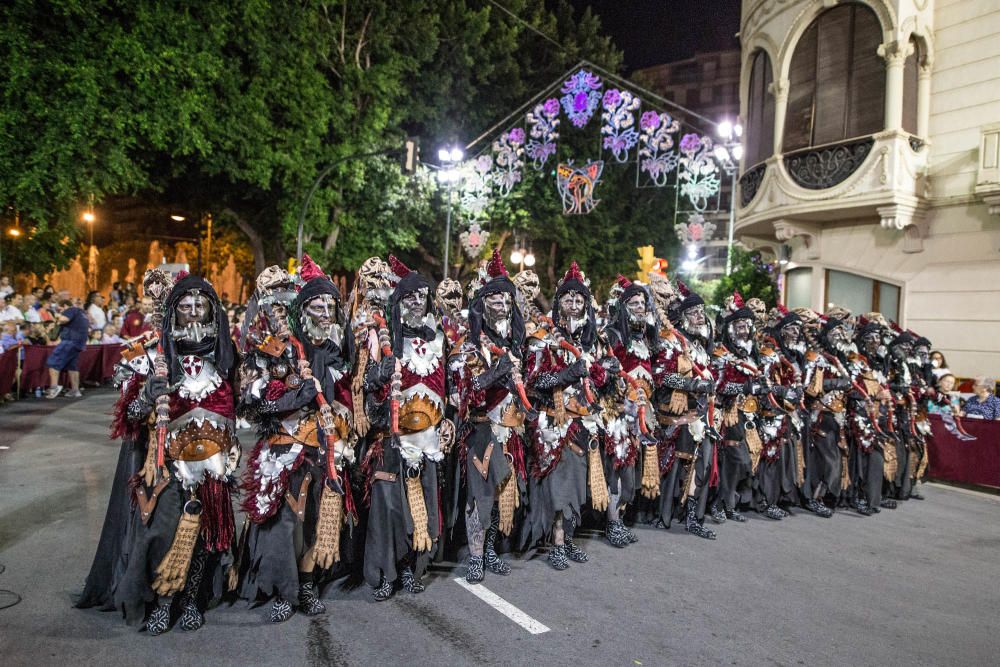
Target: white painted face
pixel 193 309
pixel 413 306
pixel 497 313
pixel 319 319
pixel 573 310
pixel 636 307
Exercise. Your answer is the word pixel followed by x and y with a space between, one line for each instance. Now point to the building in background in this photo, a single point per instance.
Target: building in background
pixel 872 161
pixel 708 84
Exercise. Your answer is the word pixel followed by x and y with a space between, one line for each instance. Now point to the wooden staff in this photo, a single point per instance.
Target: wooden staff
pixel 325 411
pixel 577 353
pixel 515 374
pixel 396 393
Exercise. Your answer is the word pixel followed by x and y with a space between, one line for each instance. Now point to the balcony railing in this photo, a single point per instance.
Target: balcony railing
pixel 821 167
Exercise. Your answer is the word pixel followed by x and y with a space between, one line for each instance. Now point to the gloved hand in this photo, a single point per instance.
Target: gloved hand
pixel 386 368
pixel 495 373
pixel 754 388
pixel 611 365
pixel 156 386
pixel 833 384
pixel 701 386
pixel 575 371
pixel 793 395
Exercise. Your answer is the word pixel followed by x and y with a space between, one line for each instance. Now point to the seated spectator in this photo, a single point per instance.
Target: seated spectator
pixel 9 336
pixel 939 363
pixel 38 335
pixel 110 336
pixel 8 311
pixel 45 310
pixel 5 286
pixel 74 326
pixel 95 336
pixel 947 400
pixel 983 404
pixel 134 323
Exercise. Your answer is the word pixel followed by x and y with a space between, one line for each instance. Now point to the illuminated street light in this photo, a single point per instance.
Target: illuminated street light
pixel 529 259
pixel 729 153
pixel 14 231
pixel 89 217
pixel 516 257
pixel 178 218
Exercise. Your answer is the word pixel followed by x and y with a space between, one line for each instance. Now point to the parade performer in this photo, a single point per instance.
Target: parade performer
pixel 131 372
pixel 633 337
pixel 183 530
pixel 492 410
pixel 564 373
pixel 754 429
pixel 405 386
pixel 922 372
pixel 803 368
pixel 296 388
pixel 685 413
pixel 871 367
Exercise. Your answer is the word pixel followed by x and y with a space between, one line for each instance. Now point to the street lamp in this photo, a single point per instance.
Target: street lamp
pixel 729 153
pixel 89 218
pixel 522 256
pixel 449 174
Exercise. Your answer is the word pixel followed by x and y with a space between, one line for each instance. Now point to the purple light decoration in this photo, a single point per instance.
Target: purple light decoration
pixel 581 97
pixel 543 121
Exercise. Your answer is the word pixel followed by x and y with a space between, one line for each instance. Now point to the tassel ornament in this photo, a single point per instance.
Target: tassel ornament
pixel 508 500
pixel 650 471
pixel 328 524
pixel 598 485
pixel 418 512
pixel 172 571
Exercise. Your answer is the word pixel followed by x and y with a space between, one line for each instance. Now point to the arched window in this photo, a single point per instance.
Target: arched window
pixel 760 110
pixel 836 80
pixel 911 79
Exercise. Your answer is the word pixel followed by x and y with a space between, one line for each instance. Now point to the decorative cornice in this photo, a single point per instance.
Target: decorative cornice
pixel 786 230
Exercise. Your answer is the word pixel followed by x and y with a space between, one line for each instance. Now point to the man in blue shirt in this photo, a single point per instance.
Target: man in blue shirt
pixel 73 331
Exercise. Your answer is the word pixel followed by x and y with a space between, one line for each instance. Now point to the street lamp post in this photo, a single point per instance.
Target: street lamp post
pixel 89 218
pixel 729 153
pixel 449 157
pixel 522 256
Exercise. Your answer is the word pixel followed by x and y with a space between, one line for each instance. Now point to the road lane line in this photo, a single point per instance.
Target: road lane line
pixel 504 607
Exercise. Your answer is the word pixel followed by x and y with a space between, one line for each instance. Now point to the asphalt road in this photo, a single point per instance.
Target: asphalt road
pixel 917 586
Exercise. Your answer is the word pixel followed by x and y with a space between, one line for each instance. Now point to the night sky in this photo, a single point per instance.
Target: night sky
pixel 651 32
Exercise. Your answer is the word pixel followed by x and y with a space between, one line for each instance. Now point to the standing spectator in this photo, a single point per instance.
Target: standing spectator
pixel 8 311
pixel 983 404
pixel 940 364
pixel 31 304
pixel 74 326
pixel 94 306
pixel 45 310
pixel 5 286
pixel 135 320
pixel 116 293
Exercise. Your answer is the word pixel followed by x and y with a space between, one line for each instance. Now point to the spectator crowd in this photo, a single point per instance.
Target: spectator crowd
pixel 45 316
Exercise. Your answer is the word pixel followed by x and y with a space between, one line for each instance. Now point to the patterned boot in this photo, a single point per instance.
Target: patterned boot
pixel 191 617
pixel 718 516
pixel 281 610
pixel 383 591
pixel 309 602
pixel 818 508
pixel 735 515
pixel 772 512
pixel 692 525
pixel 557 557
pixel 632 539
pixel 158 621
pixel 411 583
pixel 491 560
pixel 475 573
pixel 616 534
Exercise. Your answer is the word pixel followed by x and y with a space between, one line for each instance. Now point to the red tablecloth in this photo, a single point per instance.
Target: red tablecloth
pixel 96 364
pixel 967 461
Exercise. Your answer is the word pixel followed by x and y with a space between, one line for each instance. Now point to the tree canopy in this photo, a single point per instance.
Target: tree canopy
pixel 235 108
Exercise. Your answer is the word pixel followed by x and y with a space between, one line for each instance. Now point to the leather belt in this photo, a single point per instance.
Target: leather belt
pixel 383 476
pixel 483 466
pixel 670 420
pixel 298 505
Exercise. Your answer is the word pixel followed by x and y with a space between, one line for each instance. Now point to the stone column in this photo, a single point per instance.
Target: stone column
pixel 779 89
pixel 924 99
pixel 894 54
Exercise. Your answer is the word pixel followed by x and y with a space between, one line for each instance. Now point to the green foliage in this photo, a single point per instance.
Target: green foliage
pixel 751 276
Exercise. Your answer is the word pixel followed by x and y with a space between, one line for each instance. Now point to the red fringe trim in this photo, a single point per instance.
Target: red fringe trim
pixel 251 485
pixel 218 524
pixel 373 459
pixel 121 427
pixel 665 448
pixel 631 454
pixel 537 471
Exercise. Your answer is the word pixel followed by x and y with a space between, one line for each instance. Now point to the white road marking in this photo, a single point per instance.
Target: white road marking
pixel 504 607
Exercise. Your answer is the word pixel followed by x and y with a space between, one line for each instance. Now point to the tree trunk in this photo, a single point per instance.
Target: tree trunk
pixel 256 241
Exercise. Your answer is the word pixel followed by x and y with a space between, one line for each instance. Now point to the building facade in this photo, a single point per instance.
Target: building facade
pixel 709 85
pixel 872 161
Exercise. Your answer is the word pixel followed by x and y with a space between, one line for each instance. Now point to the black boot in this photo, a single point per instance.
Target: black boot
pixel 309 602
pixel 158 620
pixel 818 508
pixel 772 512
pixel 735 515
pixel 191 617
pixel 557 557
pixel 475 573
pixel 692 525
pixel 616 535
pixel 491 560
pixel 575 553
pixel 718 516
pixel 888 504
pixel 281 610
pixel 412 583
pixel 383 591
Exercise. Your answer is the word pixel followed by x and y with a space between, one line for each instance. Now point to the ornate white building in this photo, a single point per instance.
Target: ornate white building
pixel 872 161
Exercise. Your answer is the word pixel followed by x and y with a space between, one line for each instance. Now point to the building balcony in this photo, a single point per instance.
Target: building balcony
pixel 881 178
